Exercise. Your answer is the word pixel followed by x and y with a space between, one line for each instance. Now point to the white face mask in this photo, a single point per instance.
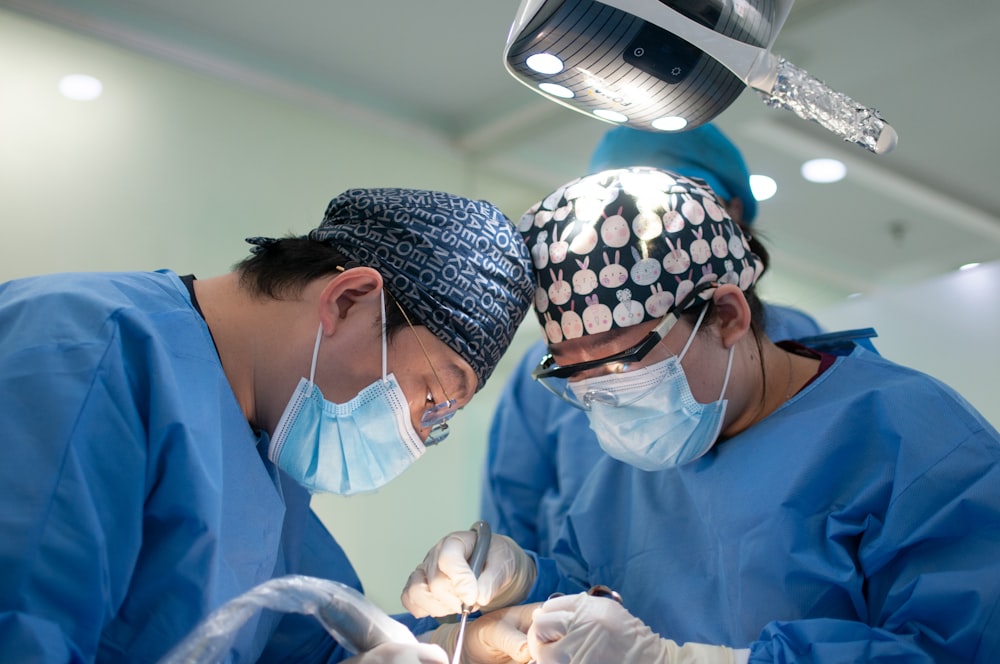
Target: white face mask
pixel 346 448
pixel 664 426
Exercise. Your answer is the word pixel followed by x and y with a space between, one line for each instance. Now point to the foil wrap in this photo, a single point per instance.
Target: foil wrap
pixel 811 99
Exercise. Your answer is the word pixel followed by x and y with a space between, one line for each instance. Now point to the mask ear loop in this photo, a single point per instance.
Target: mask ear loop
pixel 729 368
pixel 697 325
pixel 383 335
pixel 312 369
pixel 319 337
pixel 729 364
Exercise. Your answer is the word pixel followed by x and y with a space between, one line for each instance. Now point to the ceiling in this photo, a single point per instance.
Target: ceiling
pixel 434 68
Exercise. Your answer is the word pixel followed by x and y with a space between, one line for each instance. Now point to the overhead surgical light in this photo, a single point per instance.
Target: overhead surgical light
pixel 80 87
pixel 610 116
pixel 559 91
pixel 669 123
pixel 763 187
pixel 824 171
pixel 544 63
pixel 639 62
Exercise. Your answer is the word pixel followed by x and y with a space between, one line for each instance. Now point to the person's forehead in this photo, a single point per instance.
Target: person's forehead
pixel 603 344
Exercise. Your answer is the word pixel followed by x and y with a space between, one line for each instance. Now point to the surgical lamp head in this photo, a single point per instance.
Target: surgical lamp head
pixel 671 65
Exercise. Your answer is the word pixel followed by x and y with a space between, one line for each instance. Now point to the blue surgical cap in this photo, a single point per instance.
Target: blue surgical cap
pixel 458 266
pixel 703 152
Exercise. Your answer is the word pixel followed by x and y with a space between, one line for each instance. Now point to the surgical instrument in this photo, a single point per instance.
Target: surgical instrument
pixel 476 562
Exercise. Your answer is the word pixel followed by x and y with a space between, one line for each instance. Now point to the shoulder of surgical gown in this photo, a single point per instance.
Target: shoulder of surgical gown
pixel 134 500
pixel 859 521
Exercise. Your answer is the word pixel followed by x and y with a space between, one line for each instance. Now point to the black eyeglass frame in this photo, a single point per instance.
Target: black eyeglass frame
pixel 547 368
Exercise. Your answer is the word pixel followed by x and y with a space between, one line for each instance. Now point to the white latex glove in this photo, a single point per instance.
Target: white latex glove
pixel 498 637
pixel 596 630
pixel 444 581
pixel 401 653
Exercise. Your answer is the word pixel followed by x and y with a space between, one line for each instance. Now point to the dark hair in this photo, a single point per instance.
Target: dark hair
pixel 756 246
pixel 283 268
pixel 758 314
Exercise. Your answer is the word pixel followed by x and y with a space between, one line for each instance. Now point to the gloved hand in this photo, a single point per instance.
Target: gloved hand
pixel 401 653
pixel 444 581
pixel 498 637
pixel 595 630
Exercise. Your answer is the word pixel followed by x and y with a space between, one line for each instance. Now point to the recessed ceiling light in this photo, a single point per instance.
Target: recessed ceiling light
pixel 80 87
pixel 613 116
pixel 969 266
pixel 669 123
pixel 556 90
pixel 763 187
pixel 824 170
pixel 544 63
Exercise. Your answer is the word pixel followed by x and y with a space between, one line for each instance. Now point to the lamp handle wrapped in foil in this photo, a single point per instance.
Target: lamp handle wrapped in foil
pixel 809 98
pixel 346 614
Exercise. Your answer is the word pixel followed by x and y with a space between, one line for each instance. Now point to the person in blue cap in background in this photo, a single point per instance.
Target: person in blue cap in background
pixel 163 433
pixel 758 502
pixel 539 451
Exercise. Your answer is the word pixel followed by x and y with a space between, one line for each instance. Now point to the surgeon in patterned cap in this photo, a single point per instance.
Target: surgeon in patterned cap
pixel 764 501
pixel 452 270
pixel 621 257
pixel 165 433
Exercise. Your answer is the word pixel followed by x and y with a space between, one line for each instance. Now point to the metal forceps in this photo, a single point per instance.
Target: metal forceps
pixel 476 562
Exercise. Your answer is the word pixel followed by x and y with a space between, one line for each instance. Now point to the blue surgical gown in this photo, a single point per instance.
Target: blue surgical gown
pixel 859 522
pixel 134 496
pixel 540 449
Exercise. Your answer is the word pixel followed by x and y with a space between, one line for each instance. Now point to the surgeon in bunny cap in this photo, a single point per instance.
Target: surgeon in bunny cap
pixel 758 501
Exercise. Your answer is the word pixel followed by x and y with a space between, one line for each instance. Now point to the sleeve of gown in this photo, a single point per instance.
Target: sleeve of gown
pixel 520 463
pixel 561 573
pixel 932 565
pixel 299 637
pixel 70 502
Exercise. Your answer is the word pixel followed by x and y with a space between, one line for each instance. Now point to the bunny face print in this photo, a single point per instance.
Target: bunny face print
pixel 624 246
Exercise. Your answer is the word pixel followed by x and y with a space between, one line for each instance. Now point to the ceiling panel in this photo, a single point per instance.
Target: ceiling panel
pixel 435 67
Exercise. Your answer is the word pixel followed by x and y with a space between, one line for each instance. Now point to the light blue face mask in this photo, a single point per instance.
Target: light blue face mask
pixel 660 427
pixel 346 448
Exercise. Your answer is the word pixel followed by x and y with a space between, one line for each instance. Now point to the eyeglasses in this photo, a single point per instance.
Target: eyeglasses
pixel 436 417
pixel 602 375
pixel 621 372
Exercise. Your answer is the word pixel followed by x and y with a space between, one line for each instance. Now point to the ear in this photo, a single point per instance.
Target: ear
pixel 733 313
pixel 346 290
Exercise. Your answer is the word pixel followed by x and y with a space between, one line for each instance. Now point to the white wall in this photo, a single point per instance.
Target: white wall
pixel 946 327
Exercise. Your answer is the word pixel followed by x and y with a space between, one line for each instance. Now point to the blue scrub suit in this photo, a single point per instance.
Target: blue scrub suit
pixel 541 449
pixel 135 498
pixel 858 522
